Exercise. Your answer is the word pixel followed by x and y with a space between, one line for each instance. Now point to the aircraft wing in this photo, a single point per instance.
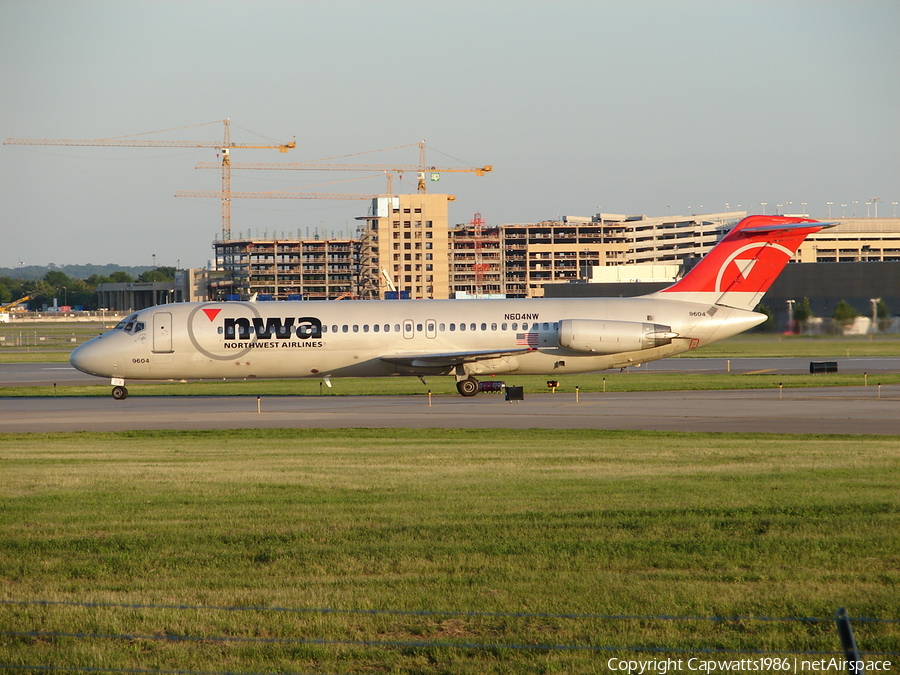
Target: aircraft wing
pixel 424 360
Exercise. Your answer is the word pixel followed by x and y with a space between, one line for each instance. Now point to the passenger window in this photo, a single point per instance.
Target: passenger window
pixel 345 328
pixel 462 326
pixel 419 327
pixel 387 328
pixel 324 328
pixel 355 328
pixel 493 326
pixel 546 326
pixel 376 327
pixel 502 326
pixel 442 327
pixel 515 326
pixel 396 327
pixel 334 329
pixel 452 327
pixel 365 328
pixel 484 326
pixel 471 326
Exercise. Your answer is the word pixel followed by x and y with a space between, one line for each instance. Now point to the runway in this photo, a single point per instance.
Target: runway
pixel 842 410
pixel 837 410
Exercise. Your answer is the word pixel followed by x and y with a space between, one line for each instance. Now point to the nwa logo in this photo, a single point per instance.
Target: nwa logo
pixel 305 328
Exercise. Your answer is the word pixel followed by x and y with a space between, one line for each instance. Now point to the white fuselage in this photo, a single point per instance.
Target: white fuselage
pixel 215 340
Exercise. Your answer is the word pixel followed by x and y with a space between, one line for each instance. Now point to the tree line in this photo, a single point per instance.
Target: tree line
pixel 71 291
pixel 843 315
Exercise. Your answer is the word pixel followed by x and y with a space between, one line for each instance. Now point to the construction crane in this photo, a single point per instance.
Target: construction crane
pixel 9 306
pixel 288 195
pixel 421 168
pixel 225 147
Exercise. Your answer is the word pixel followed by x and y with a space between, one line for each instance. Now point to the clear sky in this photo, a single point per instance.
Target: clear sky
pixel 622 106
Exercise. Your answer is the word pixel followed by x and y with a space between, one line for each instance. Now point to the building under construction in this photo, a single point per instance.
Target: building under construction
pixel 406 248
pixel 402 247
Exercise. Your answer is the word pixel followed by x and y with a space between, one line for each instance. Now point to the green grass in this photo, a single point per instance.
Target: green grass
pixel 764 345
pixel 498 522
pixel 50 341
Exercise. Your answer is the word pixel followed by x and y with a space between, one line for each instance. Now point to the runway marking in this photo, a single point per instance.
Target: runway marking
pixel 760 372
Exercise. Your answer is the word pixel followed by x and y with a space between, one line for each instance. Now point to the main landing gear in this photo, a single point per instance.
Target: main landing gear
pixel 467 387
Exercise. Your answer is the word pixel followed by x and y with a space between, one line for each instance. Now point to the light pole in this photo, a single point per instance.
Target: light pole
pixel 874 302
pixel 764 205
pixel 790 304
pixel 829 208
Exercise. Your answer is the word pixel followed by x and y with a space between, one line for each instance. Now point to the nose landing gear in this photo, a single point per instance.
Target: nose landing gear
pixel 119 393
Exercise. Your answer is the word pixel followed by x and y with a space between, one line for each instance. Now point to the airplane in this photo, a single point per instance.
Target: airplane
pixel 466 339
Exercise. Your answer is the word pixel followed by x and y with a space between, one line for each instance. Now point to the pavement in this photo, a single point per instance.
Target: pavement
pixel 873 409
pixel 839 410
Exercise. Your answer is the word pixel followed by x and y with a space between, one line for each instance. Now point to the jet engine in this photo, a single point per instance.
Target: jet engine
pixel 612 337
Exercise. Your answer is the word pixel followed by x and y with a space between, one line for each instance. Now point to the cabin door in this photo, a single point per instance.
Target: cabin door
pixel 162 333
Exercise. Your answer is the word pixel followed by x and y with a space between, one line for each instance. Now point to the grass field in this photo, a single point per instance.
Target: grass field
pixel 500 536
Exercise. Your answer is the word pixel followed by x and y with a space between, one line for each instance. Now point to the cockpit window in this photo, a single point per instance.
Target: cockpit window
pixel 129 325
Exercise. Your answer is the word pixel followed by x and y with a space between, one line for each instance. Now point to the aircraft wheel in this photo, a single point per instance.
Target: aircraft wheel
pixel 119 393
pixel 467 387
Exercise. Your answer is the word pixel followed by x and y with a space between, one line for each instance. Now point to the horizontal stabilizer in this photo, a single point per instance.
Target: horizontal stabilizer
pixel 742 266
pixel 784 227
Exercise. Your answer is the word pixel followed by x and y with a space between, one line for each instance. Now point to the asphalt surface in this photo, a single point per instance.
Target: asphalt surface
pixel 843 410
pixel 838 410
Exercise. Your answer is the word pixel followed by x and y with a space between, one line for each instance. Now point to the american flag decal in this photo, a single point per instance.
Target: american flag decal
pixel 527 339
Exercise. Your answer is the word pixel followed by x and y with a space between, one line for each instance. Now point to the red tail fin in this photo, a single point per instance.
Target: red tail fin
pixel 741 267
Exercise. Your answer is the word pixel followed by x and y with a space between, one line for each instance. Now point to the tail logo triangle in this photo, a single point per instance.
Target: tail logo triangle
pixel 745 267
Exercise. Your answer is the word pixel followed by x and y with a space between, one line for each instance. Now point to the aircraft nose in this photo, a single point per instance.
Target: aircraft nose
pixel 90 358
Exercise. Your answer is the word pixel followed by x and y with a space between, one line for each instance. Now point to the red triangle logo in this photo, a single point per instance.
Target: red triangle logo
pixel 212 313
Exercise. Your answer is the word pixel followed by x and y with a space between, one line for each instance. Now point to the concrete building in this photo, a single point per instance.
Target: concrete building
pixel 405 239
pixel 130 297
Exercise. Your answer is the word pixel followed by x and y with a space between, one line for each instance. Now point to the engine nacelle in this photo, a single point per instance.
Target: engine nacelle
pixel 612 337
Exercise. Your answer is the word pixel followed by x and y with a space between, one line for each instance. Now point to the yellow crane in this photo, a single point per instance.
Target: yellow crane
pixel 288 195
pixel 7 307
pixel 421 169
pixel 224 147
